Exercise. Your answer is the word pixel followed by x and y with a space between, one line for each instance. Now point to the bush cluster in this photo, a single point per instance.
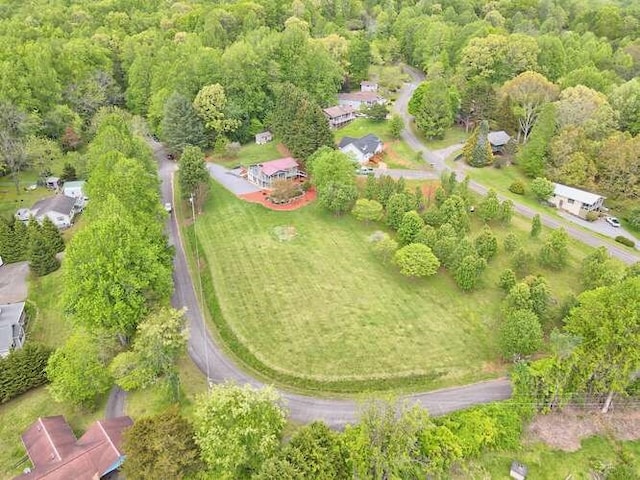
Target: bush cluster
pixel 23 370
pixel 625 241
pixel 517 187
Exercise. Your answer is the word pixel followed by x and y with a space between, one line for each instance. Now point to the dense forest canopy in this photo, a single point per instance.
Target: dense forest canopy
pixel 61 61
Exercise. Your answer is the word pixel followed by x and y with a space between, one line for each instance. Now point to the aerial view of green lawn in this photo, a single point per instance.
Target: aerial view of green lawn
pixel 320 306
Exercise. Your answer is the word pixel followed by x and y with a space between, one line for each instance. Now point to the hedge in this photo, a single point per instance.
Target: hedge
pixel 625 241
pixel 22 370
pixel 517 187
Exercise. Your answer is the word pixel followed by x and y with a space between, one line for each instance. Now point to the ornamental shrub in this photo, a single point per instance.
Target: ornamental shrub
pixel 517 187
pixel 625 241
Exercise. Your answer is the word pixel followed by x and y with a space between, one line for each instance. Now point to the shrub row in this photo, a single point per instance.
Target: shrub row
pixel 23 370
pixel 625 241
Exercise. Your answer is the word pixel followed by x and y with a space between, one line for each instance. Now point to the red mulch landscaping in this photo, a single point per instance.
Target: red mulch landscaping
pixel 261 197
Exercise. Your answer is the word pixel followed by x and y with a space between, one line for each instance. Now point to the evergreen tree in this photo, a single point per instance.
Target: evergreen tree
pixel 532 157
pixel 505 213
pixel 52 234
pixel 42 254
pixel 371 188
pixel 477 151
pixel 181 125
pixel 486 243
pixel 418 199
pixel 20 249
pixel 68 173
pixel 511 242
pixel 554 253
pixel 435 112
pixel 468 272
pixel 507 280
pixel 536 226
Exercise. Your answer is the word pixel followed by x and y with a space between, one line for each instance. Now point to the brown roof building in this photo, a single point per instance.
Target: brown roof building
pixel 56 454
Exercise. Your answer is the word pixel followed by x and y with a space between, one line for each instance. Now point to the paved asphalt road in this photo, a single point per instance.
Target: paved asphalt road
pixel 437 160
pixel 213 362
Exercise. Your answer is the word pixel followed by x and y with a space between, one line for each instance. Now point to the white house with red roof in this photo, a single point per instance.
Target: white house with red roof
pixel 264 174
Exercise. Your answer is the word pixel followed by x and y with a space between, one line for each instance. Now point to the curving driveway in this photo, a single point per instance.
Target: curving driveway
pixel 437 160
pixel 211 359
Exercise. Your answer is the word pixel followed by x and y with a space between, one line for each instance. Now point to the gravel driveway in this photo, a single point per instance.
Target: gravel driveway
pixel 231 180
pixel 13 282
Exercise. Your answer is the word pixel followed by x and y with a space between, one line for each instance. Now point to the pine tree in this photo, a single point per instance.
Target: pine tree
pixel 489 208
pixel 42 254
pixel 20 241
pixel 52 235
pixel 477 151
pixel 181 125
pixel 68 173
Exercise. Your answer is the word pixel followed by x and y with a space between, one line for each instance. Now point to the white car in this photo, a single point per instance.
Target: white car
pixel 167 207
pixel 613 221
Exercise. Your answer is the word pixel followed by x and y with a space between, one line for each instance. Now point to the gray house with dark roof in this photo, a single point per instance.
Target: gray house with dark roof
pixel 361 149
pixel 498 140
pixel 60 209
pixel 12 320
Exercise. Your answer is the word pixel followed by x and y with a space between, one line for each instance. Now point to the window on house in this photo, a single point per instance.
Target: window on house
pixel 570 201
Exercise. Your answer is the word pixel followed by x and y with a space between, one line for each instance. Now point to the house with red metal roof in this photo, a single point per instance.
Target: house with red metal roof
pixel 56 454
pixel 264 174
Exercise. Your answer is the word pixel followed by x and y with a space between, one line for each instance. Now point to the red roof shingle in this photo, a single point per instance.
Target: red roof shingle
pixel 274 166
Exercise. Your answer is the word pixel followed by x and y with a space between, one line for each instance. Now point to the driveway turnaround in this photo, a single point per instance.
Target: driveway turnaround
pixel 231 180
pixel 214 363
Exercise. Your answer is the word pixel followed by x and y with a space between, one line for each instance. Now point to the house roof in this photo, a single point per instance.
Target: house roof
pixel 9 316
pixel 338 110
pixel 366 144
pixel 359 96
pixel 266 133
pixel 58 204
pixel 57 455
pixel 498 139
pixel 74 184
pixel 274 166
pixel 586 198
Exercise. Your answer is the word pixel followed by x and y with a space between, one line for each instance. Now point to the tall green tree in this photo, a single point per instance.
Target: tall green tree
pixel 42 254
pixel 520 334
pixel 486 243
pixel 489 207
pixel 211 105
pixel 13 129
pixel 113 272
pixel 237 429
pixel 161 446
pixel 528 92
pixel 542 188
pixel 536 225
pixel 384 443
pixel 52 235
pixel 477 150
pixel 367 210
pixel 359 57
pixel 410 227
pixel 468 271
pixel 160 340
pixel 328 165
pixel 338 198
pixel 77 371
pixel 193 175
pixel 532 157
pixel 608 322
pixel 598 269
pixel 435 112
pixel 181 126
pixel 398 205
pixel 554 253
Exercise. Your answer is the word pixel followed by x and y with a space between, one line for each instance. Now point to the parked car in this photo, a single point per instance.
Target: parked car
pixel 167 207
pixel 613 221
pixel 365 171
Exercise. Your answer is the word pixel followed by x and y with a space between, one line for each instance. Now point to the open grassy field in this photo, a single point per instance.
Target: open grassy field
pixel 320 308
pixel 249 154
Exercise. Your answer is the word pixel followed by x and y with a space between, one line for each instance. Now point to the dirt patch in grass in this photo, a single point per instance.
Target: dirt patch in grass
pixel 283 150
pixel 285 233
pixel 565 430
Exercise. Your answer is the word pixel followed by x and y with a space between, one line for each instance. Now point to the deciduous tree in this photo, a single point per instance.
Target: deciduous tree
pixel 77 371
pixel 396 125
pixel 536 226
pixel 410 227
pixel 367 210
pixel 193 175
pixel 608 322
pixel 554 253
pixel 416 260
pixel 489 207
pixel 211 105
pixel 600 270
pixel 237 429
pixel 330 166
pixel 486 243
pixel 398 205
pixel 520 334
pixel 338 198
pixel 435 112
pixel 468 271
pixel 542 188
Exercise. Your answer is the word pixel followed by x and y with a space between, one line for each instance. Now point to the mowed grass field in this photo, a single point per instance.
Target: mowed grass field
pixel 322 307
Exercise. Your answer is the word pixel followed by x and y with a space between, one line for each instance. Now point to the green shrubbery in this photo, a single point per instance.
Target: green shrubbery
pixel 517 187
pixel 23 370
pixel 625 241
